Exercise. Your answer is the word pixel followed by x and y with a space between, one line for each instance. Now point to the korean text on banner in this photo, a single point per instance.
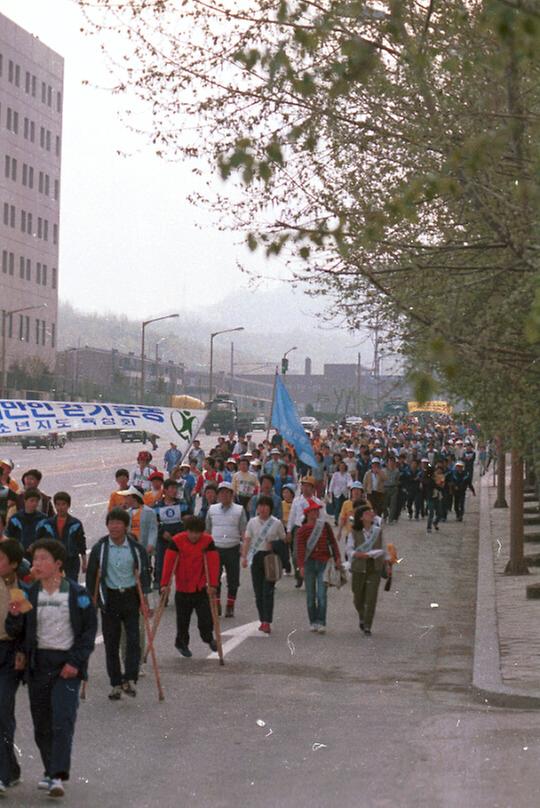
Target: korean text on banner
pixel 174 425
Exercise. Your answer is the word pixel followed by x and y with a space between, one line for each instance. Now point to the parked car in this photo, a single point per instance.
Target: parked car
pixel 51 440
pixel 258 423
pixel 133 436
pixel 309 423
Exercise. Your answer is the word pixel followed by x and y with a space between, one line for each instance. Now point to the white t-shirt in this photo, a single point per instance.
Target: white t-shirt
pixel 275 532
pixel 54 630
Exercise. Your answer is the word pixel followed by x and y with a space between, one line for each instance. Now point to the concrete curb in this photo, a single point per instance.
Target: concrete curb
pixel 487 684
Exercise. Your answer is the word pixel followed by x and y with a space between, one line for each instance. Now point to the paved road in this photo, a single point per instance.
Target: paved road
pixel 348 720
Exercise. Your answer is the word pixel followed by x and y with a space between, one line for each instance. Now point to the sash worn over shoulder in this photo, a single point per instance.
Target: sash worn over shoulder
pixel 261 538
pixel 314 537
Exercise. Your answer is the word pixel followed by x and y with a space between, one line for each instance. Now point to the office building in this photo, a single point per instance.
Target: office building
pixel 31 98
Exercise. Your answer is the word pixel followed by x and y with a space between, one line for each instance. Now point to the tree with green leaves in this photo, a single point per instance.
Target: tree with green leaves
pixel 389 150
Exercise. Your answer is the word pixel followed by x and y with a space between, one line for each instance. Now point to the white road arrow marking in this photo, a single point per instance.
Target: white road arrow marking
pixel 237 635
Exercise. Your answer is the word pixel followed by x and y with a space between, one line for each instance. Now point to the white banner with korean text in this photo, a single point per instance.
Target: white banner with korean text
pixel 174 425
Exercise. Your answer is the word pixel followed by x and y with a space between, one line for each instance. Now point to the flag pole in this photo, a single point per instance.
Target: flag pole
pixel 272 405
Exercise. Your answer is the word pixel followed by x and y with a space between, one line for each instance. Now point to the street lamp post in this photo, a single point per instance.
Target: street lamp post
pixel 285 361
pixel 144 324
pixel 5 315
pixel 211 375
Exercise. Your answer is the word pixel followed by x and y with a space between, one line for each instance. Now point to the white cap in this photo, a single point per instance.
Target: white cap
pixel 226 485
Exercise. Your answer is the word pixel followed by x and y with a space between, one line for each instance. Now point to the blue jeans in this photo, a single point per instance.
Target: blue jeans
pixel 433 510
pixel 315 591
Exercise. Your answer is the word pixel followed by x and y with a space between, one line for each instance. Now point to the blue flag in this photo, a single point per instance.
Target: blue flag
pixel 285 419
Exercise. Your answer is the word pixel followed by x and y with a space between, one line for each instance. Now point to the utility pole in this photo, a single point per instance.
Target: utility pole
pixel 358 384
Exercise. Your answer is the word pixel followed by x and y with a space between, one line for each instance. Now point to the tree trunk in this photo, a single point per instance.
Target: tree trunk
pixel 516 564
pixel 501 502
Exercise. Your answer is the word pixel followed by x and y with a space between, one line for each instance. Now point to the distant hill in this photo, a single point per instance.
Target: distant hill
pixel 274 321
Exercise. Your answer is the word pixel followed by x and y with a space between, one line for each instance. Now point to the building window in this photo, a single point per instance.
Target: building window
pixel 17 76
pixel 24 174
pixel 4 261
pixel 40 227
pixel 28 270
pixel 26 130
pixel 40 185
pixel 49 96
pixel 43 327
pixel 32 132
pixel 12 263
pixel 38 272
pixel 53 335
pixel 21 268
pixel 57 147
pixel 47 181
pixel 44 275
pixel 34 85
pixel 43 92
pixel 45 229
pixel 1 64
pixel 48 144
pixel 10 326
pixel 11 71
pixel 55 234
pixel 10 168
pixel 27 83
pixel 54 279
pixel 12 216
pixel 59 102
pixel 27 328
pixel 21 327
pixel 42 136
pixel 23 221
pixel 6 214
pixel 38 328
pixel 56 190
pixel 30 177
pixel 29 223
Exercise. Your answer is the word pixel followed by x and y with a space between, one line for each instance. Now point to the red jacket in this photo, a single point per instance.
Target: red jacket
pixel 209 476
pixel 320 551
pixel 190 575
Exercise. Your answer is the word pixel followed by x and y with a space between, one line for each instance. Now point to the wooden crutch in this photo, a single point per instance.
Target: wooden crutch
pixel 214 612
pixel 149 638
pixel 162 601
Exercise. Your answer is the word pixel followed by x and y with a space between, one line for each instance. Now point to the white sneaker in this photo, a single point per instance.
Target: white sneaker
pixel 3 788
pixel 56 789
pixel 321 629
pixel 44 784
pixel 314 627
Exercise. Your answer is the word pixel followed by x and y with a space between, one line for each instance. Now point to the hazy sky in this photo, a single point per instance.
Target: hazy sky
pixel 129 240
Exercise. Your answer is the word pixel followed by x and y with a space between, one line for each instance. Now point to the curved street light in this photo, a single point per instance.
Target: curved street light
pixel 211 375
pixel 144 324
pixel 285 361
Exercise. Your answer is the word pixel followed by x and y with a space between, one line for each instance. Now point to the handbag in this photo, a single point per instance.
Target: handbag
pixel 333 576
pixel 273 568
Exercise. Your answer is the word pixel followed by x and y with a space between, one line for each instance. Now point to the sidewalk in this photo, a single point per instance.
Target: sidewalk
pixel 507 641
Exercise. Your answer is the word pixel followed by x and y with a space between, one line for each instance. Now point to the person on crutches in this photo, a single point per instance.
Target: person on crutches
pixel 124 578
pixel 187 557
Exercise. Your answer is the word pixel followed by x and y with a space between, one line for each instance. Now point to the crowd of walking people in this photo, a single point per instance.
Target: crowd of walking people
pixel 188 525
